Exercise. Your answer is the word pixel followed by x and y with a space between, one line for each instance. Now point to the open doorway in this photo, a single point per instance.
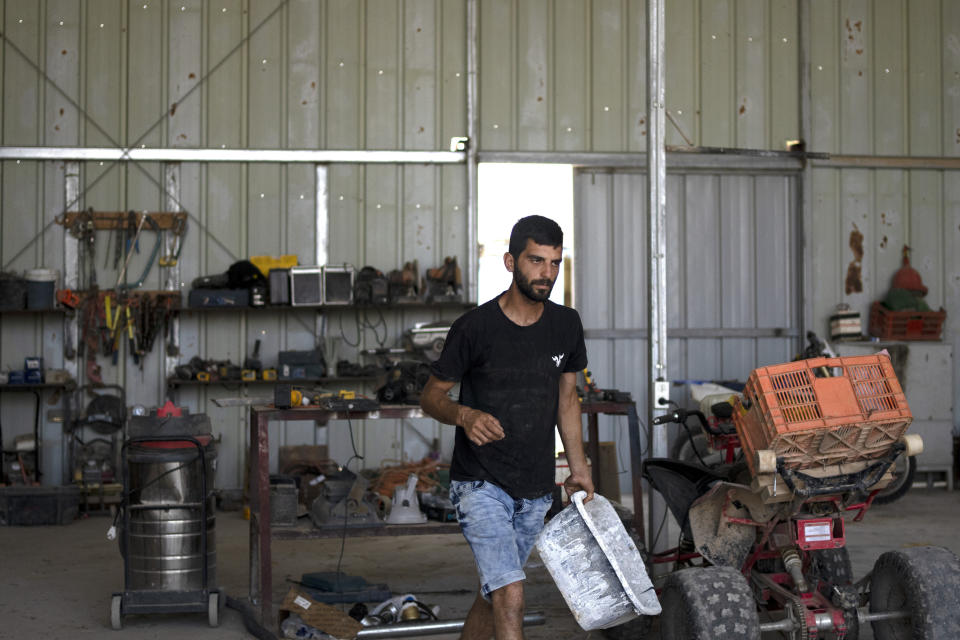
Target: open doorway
pixel 508 192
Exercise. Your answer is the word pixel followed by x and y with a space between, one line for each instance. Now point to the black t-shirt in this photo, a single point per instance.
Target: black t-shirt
pixel 512 373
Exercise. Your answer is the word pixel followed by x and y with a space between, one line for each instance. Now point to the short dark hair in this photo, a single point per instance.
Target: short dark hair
pixel 537 228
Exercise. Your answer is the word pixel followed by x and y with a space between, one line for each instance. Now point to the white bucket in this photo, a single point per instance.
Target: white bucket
pixel 596 565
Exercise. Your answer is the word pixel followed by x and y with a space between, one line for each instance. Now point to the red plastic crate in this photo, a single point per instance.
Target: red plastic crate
pixel 905 325
pixel 858 413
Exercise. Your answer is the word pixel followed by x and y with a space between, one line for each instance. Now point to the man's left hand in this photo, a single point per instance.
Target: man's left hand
pixel 579 482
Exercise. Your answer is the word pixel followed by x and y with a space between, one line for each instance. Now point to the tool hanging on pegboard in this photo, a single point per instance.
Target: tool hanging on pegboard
pixel 109 318
pixel 82 227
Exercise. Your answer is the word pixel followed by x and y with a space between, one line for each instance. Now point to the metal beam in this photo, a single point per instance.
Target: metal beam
pixel 657 243
pixel 643 334
pixel 232 155
pixel 803 223
pixel 700 159
pixel 173 242
pixel 679 162
pixel 885 162
pixel 473 128
pixel 322 238
pixel 71 322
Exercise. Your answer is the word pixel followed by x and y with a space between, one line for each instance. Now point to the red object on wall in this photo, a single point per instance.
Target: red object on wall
pixel 169 410
pixel 907 277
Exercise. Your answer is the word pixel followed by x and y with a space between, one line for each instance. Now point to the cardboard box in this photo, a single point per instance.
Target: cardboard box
pixel 609 472
pixel 306 461
pixel 609 485
pixel 320 616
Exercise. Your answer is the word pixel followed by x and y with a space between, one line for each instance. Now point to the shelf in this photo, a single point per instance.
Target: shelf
pixel 176 382
pixel 33 312
pixel 420 306
pixel 35 387
pixel 309 532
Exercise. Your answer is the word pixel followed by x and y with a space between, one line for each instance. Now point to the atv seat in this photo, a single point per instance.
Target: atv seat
pixel 680 484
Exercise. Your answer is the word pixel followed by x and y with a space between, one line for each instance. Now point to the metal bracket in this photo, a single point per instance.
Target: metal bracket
pixel 459 143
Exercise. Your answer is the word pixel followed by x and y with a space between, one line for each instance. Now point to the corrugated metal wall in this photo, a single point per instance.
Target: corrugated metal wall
pixel 570 75
pixel 885 80
pixel 731 244
pixel 236 74
pixel 556 76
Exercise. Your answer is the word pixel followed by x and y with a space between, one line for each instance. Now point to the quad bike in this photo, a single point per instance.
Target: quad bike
pixel 763 547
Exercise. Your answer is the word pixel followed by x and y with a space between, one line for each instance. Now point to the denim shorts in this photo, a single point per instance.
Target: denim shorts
pixel 501 530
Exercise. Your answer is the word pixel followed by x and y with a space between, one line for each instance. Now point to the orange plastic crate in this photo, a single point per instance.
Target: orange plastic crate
pixel 809 420
pixel 905 325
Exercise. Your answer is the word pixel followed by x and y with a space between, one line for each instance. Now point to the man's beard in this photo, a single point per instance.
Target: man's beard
pixel 526 287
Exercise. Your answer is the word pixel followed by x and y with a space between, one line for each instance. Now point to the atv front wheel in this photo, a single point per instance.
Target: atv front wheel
pixel 924 582
pixel 711 603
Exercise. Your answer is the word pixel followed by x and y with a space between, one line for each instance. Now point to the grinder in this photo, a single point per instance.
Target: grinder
pixel 252 364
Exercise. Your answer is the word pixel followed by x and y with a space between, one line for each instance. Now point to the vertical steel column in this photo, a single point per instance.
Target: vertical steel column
pixel 804 198
pixel 71 269
pixel 657 242
pixel 71 322
pixel 171 202
pixel 322 243
pixel 323 215
pixel 473 70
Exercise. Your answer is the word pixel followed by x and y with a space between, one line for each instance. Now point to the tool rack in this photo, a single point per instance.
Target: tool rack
pixel 261 535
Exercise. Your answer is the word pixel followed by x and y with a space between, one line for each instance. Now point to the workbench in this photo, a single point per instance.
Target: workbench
pixel 261 535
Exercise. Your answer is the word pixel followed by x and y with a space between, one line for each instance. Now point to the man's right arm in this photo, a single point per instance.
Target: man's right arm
pixel 479 426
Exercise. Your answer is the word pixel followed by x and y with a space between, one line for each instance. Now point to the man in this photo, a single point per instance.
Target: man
pixel 516 358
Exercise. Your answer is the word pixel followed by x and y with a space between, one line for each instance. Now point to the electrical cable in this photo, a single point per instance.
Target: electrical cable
pixel 693 445
pixel 343 335
pixel 346 513
pixel 249 618
pixel 145 485
pixel 656 538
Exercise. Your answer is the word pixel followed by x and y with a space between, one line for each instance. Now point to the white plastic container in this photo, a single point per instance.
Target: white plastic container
pixel 596 565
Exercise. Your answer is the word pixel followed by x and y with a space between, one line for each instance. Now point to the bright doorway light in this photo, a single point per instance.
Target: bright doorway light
pixel 508 192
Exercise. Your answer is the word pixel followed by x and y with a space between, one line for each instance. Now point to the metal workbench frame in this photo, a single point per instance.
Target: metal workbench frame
pixel 261 535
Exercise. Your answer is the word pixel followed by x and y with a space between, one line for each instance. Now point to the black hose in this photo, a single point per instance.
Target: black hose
pixel 249 618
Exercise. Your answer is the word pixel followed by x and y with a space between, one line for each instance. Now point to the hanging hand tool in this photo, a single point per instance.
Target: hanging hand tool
pixel 153 254
pixel 89 344
pixel 132 341
pixel 113 330
pixel 132 224
pixel 123 271
pixel 178 228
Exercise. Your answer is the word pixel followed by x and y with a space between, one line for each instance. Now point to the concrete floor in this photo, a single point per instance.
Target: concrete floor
pixel 56 582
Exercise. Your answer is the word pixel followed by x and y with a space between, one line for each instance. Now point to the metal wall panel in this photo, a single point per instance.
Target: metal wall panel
pixel 295 74
pixel 885 80
pixel 567 75
pixel 556 75
pixel 862 219
pixel 730 244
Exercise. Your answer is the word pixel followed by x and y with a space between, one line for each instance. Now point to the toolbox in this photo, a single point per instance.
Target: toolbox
pixel 20 506
pixel 295 365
